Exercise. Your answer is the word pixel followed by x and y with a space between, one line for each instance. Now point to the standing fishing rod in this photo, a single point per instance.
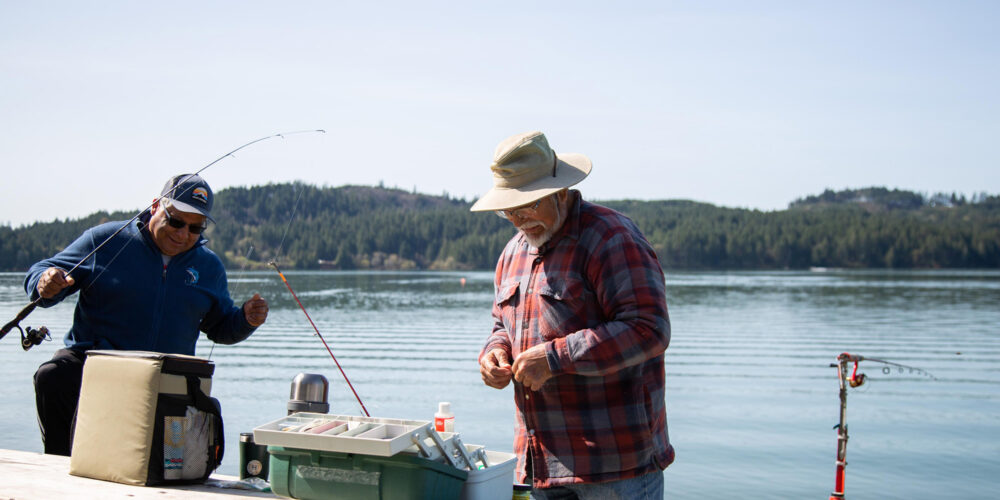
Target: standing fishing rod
pixel 34 337
pixel 853 380
pixel 296 297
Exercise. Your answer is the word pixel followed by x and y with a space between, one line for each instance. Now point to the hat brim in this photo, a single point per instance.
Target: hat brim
pixel 571 168
pixel 184 207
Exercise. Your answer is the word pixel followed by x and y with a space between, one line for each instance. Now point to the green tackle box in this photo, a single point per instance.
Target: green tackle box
pixel 323 475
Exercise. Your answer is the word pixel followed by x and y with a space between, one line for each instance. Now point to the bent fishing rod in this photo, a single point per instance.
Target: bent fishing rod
pixel 296 297
pixel 854 380
pixel 34 337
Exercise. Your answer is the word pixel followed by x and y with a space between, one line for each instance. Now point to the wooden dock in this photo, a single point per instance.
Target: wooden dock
pixel 34 476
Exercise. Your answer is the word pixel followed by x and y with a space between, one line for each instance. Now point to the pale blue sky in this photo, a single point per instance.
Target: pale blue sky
pixel 741 103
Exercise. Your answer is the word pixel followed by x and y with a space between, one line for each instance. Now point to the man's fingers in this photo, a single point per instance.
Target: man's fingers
pixel 257 303
pixel 531 368
pixel 62 279
pixel 494 359
pixel 255 309
pixel 494 371
pixel 53 281
pixel 502 357
pixel 496 382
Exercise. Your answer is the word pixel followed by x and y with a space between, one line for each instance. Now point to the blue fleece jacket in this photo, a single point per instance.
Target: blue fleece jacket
pixel 130 301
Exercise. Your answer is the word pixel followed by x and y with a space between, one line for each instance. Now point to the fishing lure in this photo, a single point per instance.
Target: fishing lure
pixel 34 337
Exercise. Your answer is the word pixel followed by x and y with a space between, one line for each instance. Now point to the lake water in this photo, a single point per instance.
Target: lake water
pixel 751 397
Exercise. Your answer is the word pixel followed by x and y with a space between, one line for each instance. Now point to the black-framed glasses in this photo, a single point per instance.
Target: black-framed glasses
pixel 178 223
pixel 522 212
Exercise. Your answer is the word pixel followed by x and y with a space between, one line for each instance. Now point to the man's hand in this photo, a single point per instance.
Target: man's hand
pixel 495 368
pixel 53 281
pixel 531 368
pixel 255 310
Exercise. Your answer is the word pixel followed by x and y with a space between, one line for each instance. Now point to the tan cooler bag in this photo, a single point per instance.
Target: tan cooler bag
pixel 146 418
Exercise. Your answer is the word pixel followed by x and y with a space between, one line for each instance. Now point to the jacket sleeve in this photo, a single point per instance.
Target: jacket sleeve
pixel 631 291
pixel 499 337
pixel 225 322
pixel 64 260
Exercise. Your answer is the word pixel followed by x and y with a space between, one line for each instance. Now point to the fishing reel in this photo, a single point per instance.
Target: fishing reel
pixel 855 379
pixel 33 337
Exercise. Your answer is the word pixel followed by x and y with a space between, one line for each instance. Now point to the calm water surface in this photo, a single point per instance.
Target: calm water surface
pixel 751 398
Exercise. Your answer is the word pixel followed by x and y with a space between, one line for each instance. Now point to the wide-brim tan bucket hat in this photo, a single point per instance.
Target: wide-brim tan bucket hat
pixel 526 169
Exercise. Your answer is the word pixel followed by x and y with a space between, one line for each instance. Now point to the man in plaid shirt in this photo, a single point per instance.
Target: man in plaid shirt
pixel 580 326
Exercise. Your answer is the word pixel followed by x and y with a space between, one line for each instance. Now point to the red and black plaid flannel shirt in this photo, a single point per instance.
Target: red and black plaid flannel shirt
pixel 595 296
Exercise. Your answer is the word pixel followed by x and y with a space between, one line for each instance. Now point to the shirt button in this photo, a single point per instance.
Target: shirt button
pixel 527 396
pixel 529 290
pixel 531 432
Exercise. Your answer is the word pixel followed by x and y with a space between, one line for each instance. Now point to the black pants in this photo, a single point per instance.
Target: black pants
pixel 57 392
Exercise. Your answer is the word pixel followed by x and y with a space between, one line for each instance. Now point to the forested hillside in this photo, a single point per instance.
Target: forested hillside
pixel 357 227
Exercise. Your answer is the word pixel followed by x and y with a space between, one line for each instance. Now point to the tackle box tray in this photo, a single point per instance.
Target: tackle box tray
pixel 375 436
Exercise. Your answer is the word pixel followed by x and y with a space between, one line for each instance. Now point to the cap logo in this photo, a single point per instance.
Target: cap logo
pixel 200 194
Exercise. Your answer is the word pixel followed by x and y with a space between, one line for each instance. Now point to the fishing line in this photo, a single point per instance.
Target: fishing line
pixel 105 268
pixel 889 365
pixel 295 208
pixel 243 267
pixel 170 193
pixel 296 297
pixel 15 323
pixel 274 264
pixel 239 286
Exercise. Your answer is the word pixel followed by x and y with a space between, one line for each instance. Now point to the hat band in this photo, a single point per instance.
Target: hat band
pixel 505 181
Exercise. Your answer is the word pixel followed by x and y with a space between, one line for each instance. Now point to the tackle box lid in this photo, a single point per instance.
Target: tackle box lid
pixel 341 433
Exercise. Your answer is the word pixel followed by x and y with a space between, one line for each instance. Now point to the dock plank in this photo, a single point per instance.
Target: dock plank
pixel 35 476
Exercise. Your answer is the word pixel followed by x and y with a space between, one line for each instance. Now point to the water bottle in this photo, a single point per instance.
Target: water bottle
pixel 444 419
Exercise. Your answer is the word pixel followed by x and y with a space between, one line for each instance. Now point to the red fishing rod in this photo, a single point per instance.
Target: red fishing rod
pixel 296 297
pixel 855 379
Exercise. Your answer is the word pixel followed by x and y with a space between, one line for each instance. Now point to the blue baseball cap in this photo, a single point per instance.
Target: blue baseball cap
pixel 189 193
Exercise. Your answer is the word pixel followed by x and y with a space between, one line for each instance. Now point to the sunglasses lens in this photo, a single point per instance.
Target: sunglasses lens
pixel 177 224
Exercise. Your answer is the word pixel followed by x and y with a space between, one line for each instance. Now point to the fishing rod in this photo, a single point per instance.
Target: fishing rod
pixel 296 297
pixel 854 380
pixel 34 337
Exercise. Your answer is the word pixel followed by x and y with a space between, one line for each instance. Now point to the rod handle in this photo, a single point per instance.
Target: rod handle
pixel 20 316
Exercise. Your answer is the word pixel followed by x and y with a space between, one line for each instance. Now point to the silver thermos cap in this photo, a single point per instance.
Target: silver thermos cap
pixel 308 393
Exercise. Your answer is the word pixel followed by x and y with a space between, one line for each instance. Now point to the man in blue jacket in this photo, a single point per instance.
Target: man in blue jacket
pixel 152 287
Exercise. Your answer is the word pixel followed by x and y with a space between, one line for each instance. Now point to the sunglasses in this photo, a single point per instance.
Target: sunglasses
pixel 522 212
pixel 178 223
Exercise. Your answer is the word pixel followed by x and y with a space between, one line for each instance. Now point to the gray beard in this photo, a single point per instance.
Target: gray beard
pixel 544 238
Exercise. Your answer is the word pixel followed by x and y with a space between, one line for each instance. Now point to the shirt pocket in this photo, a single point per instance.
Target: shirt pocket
pixel 565 306
pixel 506 301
